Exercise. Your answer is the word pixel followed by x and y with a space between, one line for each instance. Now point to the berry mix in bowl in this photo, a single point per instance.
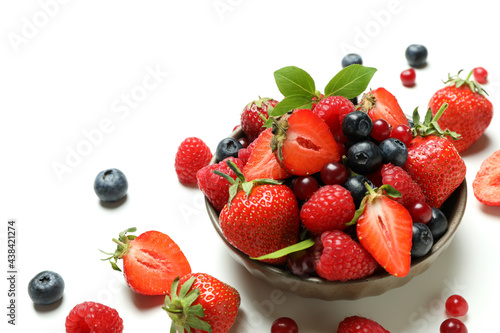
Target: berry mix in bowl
pixel 332 199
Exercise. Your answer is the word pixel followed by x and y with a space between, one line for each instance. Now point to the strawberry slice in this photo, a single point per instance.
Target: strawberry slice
pixel 304 143
pixel 381 104
pixel 384 229
pixel 486 184
pixel 262 162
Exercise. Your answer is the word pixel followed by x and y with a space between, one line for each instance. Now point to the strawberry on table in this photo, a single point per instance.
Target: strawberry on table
pixel 151 261
pixel 252 116
pixel 381 104
pixel 486 184
pixel 469 112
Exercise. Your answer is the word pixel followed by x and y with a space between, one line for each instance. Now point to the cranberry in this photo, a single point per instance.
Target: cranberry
pixel 480 75
pixel 408 77
pixel 453 325
pixel 402 133
pixel 334 173
pixel 381 130
pixel 456 306
pixel 304 187
pixel 284 325
pixel 420 212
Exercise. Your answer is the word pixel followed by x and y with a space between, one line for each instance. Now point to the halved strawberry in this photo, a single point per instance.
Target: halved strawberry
pixel 381 104
pixel 304 143
pixel 262 162
pixel 486 184
pixel 384 228
pixel 151 261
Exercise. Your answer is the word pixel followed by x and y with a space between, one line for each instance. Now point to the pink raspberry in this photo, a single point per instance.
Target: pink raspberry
pixel 192 155
pixel 93 318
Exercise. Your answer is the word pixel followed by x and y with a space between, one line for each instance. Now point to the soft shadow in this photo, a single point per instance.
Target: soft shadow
pixel 144 302
pixel 115 204
pixel 480 145
pixel 47 308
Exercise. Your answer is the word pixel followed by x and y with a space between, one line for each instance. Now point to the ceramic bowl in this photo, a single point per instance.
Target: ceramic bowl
pixel 374 285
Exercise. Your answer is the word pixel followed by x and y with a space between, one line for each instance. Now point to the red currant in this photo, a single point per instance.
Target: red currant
pixel 453 325
pixel 456 306
pixel 284 325
pixel 402 133
pixel 244 142
pixel 381 129
pixel 480 75
pixel 334 173
pixel 420 212
pixel 304 187
pixel 408 77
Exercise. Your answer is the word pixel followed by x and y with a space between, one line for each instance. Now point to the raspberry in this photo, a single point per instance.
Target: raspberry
pixel 357 324
pixel 251 122
pixel 333 110
pixel 93 317
pixel 401 181
pixel 192 155
pixel 244 154
pixel 215 187
pixel 337 257
pixel 329 208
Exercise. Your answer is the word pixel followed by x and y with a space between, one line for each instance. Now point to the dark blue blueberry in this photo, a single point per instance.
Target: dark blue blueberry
pixel 364 157
pixel 351 58
pixel 393 151
pixel 416 55
pixel 46 288
pixel 110 185
pixel 357 126
pixel 357 186
pixel 438 224
pixel 422 240
pixel 227 147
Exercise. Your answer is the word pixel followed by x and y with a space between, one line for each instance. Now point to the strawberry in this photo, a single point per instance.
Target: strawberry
pixel 262 162
pixel 433 162
pixel 93 317
pixel 151 261
pixel 398 178
pixel 332 110
pixel 469 112
pixel 381 104
pixel 486 184
pixel 303 143
pixel 384 229
pixel 358 324
pixel 192 155
pixel 199 302
pixel 261 217
pixel 253 114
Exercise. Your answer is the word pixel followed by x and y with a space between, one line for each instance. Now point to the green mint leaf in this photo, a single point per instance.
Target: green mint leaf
pixel 305 244
pixel 350 82
pixel 292 80
pixel 291 102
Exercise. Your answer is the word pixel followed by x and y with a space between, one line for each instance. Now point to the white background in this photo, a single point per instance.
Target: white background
pixel 67 69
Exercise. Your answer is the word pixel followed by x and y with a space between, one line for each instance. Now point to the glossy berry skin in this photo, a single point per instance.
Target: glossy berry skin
pixel 350 59
pixel 416 55
pixel 393 151
pixel 304 187
pixel 332 110
pixel 337 257
pixel 192 155
pixel 357 324
pixel 251 122
pixel 364 157
pixel 402 133
pixel 93 317
pixel 334 173
pixel 456 306
pixel 227 147
pixel 284 325
pixel 438 224
pixel 398 178
pixel 110 185
pixel 420 211
pixel 480 75
pixel 453 325
pixel 381 130
pixel 356 185
pixel 422 240
pixel 408 77
pixel 357 126
pixel 46 288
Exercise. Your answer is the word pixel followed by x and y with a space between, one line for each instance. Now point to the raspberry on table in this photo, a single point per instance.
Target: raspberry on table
pixel 93 317
pixel 192 155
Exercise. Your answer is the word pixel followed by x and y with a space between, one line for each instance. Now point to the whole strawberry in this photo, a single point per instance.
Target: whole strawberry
pixel 261 217
pixel 433 161
pixel 93 317
pixel 469 112
pixel 199 302
pixel 253 114
pixel 358 324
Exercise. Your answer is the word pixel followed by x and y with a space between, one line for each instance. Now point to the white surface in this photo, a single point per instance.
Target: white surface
pixel 72 73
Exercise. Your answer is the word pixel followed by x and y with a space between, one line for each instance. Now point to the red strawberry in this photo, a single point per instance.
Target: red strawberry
pixel 93 317
pixel 303 143
pixel 357 324
pixel 469 112
pixel 262 162
pixel 192 155
pixel 261 219
pixel 433 162
pixel 332 110
pixel 251 120
pixel 151 261
pixel 329 208
pixel 381 104
pixel 398 178
pixel 337 257
pixel 486 184
pixel 384 229
pixel 215 187
pixel 199 302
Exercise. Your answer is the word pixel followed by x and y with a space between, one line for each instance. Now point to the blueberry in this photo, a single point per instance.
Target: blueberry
pixel 357 126
pixel 110 185
pixel 46 288
pixel 416 55
pixel 351 58
pixel 364 157
pixel 356 185
pixel 438 224
pixel 393 151
pixel 227 147
pixel 422 240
